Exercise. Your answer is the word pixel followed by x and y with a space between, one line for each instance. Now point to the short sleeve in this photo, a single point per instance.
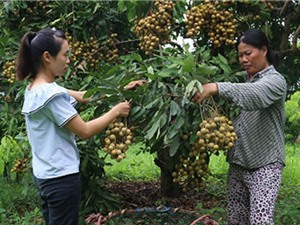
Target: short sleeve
pixel 60 110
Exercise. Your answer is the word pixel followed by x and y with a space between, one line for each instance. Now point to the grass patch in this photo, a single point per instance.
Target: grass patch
pixel 291 172
pixel 19 203
pixel 137 166
pixel 218 164
pixel 141 167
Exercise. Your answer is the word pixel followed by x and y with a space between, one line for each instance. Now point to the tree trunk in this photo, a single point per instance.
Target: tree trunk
pixel 167 187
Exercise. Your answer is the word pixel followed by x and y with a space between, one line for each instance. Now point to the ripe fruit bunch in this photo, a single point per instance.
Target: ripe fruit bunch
pixel 273 5
pixel 192 169
pixel 118 137
pixel 216 134
pixel 20 166
pixel 108 50
pixel 9 68
pixel 217 23
pixel 32 8
pixel 92 51
pixel 78 48
pixel 154 28
pixel 37 7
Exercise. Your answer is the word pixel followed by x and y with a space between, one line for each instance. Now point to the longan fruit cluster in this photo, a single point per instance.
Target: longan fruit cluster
pixel 9 69
pixel 77 48
pixel 216 23
pixel 92 51
pixel 118 138
pixel 37 7
pixel 191 169
pixel 216 134
pixel 20 166
pixel 154 28
pixel 33 8
pixel 273 5
pixel 108 49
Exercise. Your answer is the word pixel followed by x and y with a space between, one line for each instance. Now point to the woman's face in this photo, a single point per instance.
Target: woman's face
pixel 60 63
pixel 252 59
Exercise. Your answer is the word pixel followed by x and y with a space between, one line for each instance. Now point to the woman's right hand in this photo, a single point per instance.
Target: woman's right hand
pixel 122 109
pixel 207 91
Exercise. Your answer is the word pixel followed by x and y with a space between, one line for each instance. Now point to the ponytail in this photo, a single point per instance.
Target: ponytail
pixel 24 59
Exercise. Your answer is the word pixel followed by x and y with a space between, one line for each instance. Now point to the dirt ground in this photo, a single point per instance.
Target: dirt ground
pixel 147 194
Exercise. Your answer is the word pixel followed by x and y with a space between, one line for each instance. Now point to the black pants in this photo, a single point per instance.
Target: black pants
pixel 60 199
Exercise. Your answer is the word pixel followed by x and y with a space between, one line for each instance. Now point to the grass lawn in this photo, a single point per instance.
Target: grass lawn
pixel 19 203
pixel 141 167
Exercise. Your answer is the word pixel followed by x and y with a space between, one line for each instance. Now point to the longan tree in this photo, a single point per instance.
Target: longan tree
pixel 114 42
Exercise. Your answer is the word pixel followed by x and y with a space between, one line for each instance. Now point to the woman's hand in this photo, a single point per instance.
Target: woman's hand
pixel 207 91
pixel 122 109
pixel 134 84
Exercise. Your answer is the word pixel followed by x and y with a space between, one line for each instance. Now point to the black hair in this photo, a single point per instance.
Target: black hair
pixel 32 47
pixel 258 39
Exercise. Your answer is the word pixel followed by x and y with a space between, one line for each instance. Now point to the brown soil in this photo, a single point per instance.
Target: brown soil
pixel 147 194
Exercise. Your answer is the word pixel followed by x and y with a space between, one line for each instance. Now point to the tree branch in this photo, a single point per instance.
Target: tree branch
pixel 284 7
pixel 295 37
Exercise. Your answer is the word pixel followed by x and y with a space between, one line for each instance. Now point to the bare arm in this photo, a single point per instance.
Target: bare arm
pixel 88 129
pixel 78 95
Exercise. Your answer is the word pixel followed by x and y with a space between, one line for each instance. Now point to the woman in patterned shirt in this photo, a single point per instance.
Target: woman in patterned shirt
pixel 257 159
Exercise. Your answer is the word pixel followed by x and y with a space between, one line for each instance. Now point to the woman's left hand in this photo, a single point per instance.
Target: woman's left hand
pixel 134 84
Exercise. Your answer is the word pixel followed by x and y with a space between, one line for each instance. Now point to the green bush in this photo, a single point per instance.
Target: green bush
pixel 292 107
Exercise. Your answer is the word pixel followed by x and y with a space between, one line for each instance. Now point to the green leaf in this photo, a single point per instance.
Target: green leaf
pixel 152 104
pixel 107 90
pixel 91 92
pixel 150 70
pixel 204 69
pixel 174 130
pixel 223 59
pixel 136 113
pixel 188 63
pixel 174 145
pixel 169 72
pixel 179 123
pixel 137 57
pixel 190 88
pixel 121 6
pixel 162 122
pixel 174 108
pixel 1 166
pixel 159 121
pixel 153 129
pixel 199 86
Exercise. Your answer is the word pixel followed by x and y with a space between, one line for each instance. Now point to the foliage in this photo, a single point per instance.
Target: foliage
pixel 19 207
pixel 10 150
pixel 291 173
pixel 94 197
pixel 161 110
pixel 19 203
pixel 292 107
pixel 287 208
pixel 136 159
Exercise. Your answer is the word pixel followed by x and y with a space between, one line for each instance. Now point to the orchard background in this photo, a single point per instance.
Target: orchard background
pixel 115 42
